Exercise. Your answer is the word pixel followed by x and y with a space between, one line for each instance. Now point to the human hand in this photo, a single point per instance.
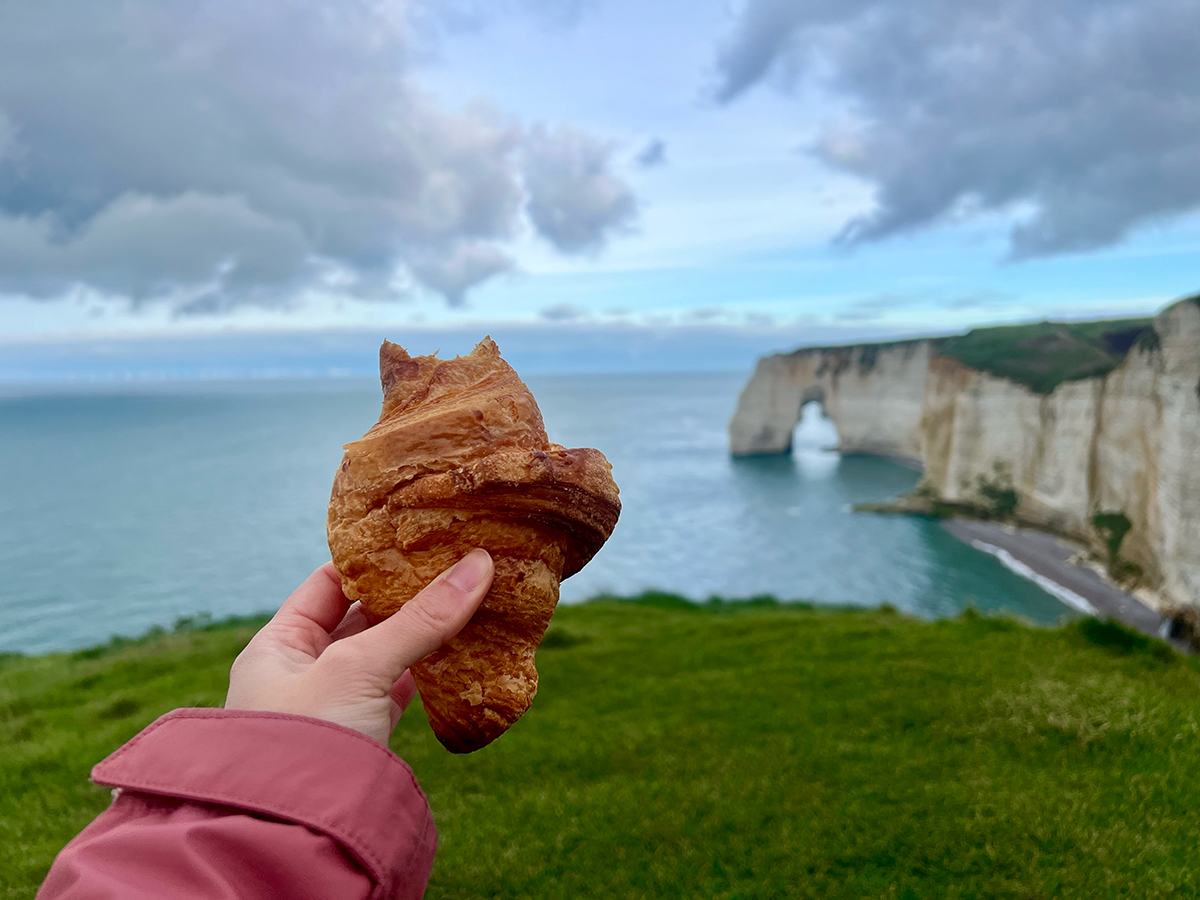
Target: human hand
pixel 321 657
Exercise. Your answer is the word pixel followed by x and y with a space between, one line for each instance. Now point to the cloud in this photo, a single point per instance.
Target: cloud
pixel 471 15
pixel 873 308
pixel 8 134
pixel 563 312
pixel 141 246
pixel 575 202
pixel 653 154
pixel 466 265
pixel 981 300
pixel 759 320
pixel 215 153
pixel 1084 114
pixel 544 347
pixel 763 34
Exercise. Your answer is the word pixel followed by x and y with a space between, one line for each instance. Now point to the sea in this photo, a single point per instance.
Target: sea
pixel 128 506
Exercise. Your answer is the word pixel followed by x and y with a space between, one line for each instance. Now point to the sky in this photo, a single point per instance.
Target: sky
pixel 598 183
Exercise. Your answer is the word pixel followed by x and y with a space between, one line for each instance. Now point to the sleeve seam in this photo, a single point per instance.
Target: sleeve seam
pixel 361 844
pixel 375 746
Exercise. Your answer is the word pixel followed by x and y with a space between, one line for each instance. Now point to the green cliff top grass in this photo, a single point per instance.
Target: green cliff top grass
pixel 721 751
pixel 1044 355
pixel 1040 356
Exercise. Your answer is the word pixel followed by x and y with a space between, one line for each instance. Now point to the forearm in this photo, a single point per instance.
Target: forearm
pixel 219 804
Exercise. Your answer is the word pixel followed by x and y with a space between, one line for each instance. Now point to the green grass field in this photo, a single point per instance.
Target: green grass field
pixel 739 752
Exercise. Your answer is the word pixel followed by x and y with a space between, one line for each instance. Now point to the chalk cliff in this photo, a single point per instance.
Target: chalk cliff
pixel 1125 444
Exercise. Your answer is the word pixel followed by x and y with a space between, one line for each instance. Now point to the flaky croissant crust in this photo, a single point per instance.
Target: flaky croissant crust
pixel 460 459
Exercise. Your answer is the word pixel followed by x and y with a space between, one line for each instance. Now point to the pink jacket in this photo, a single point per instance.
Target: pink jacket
pixel 217 804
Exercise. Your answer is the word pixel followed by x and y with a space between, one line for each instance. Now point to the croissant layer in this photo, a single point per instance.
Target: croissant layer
pixel 460 459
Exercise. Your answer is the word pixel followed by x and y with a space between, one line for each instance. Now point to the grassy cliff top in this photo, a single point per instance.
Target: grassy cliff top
pixel 725 751
pixel 1042 356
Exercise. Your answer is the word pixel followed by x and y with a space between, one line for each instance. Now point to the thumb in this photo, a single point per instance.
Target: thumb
pixel 426 621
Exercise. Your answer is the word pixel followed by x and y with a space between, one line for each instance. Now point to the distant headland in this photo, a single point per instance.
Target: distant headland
pixel 1087 429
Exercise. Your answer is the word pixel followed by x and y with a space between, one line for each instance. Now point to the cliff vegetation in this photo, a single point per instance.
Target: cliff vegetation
pixel 1043 355
pixel 725 750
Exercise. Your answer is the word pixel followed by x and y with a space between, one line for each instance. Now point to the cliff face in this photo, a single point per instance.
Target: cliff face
pixel 875 393
pixel 1126 443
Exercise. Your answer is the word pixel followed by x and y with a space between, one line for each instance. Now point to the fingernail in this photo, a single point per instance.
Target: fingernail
pixel 470 571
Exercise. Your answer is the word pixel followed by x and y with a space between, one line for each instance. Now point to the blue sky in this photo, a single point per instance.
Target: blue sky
pixel 769 173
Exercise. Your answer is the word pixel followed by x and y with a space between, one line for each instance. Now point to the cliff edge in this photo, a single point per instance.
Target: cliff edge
pixel 1090 429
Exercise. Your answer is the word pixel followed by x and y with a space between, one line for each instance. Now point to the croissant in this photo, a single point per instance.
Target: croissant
pixel 460 459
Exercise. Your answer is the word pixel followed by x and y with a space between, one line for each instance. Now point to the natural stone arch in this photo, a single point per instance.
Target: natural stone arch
pixel 770 408
pixel 815 394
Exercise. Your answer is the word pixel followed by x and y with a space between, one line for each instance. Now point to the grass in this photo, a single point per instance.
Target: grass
pixel 1042 356
pixel 726 751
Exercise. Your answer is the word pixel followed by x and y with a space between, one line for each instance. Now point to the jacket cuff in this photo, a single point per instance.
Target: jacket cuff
pixel 332 779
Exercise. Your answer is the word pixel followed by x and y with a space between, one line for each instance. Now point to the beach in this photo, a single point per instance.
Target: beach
pixel 1060 568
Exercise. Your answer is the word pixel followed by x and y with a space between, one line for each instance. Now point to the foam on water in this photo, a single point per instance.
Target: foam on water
pixel 1066 595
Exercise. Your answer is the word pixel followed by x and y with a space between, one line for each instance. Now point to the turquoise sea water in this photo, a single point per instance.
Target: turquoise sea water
pixel 125 507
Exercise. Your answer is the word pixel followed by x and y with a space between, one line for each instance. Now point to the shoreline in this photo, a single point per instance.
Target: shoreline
pixel 1056 566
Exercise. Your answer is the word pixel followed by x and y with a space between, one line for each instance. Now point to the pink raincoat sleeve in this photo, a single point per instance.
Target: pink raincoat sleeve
pixel 222 804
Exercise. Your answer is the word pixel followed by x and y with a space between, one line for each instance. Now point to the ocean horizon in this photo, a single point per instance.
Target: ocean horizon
pixel 128 505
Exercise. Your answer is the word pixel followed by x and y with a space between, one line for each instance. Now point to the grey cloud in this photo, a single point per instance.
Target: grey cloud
pixel 141 247
pixel 873 307
pixel 455 273
pixel 766 30
pixel 8 135
pixel 1086 113
pixel 575 202
pixel 161 149
pixel 470 15
pixel 859 315
pixel 980 300
pixel 759 320
pixel 563 312
pixel 653 154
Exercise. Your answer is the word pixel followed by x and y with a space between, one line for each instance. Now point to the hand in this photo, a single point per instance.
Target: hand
pixel 319 656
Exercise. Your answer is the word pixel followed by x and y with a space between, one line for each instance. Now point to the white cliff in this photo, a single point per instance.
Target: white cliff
pixel 1124 443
